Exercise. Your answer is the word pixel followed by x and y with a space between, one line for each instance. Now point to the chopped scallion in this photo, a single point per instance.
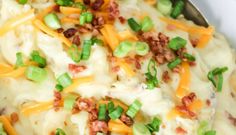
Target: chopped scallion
pixel 123 49
pixel 23 1
pixel 19 60
pixel 59 88
pixel 164 6
pixel 140 129
pixel 74 53
pixel 86 17
pixel 116 113
pixel 97 41
pixel 155 125
pixel 86 50
pixel 152 81
pixel 134 25
pixel 177 43
pixel 141 48
pixel 64 80
pixel 174 63
pixel 35 73
pixel 134 108
pixel 59 131
pixel 80 5
pixel 210 132
pixel 178 8
pixel 69 102
pixel 82 19
pixel 52 21
pixel 65 2
pixel 110 106
pixel 38 59
pixel 146 24
pixel 102 112
pixel 189 57
pixel 89 17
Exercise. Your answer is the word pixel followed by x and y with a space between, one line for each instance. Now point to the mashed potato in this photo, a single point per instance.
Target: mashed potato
pixel 106 77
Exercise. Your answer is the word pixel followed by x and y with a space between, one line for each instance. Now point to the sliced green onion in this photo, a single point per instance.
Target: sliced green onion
pixel 211 132
pixel 146 24
pixel 141 48
pixel 64 80
pixel 82 19
pixel 69 102
pixel 52 21
pixel 23 1
pixel 123 49
pixel 36 74
pixel 174 63
pixel 115 114
pixel 140 129
pixel 89 17
pixel 19 60
pixel 134 108
pixel 202 128
pixel 177 43
pixel 38 59
pixel 80 5
pixel 216 77
pixel 155 125
pixel 97 41
pixel 59 131
pixel 65 2
pixel 74 53
pixel 110 106
pixel 178 8
pixel 102 112
pixel 134 25
pixel 189 57
pixel 152 81
pixel 59 88
pixel 86 49
pixel 164 6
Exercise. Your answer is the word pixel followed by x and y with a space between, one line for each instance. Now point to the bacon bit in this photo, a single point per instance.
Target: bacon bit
pixel 208 102
pixel 170 27
pixel 93 115
pixel 231 118
pixel 60 30
pixel 194 42
pixel 113 9
pixel 52 133
pixel 65 123
pixel 69 32
pixel 187 100
pixel 76 68
pixel 137 64
pixel 14 117
pixel 115 69
pixel 232 95
pixel 177 69
pixel 98 22
pixel 166 77
pixel 192 63
pixel 98 126
pixel 2 111
pixel 76 40
pixel 180 130
pixel 127 120
pixel 122 20
pixel 97 4
pixel 85 29
pixel 86 2
pixel 86 104
pixel 181 52
pixel 184 110
pixel 57 100
pixel 56 8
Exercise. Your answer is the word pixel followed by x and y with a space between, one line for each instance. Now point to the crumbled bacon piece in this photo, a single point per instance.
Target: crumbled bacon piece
pixel 98 126
pixel 98 22
pixel 115 69
pixel 231 118
pixel 127 120
pixel 208 102
pixel 187 100
pixel 181 52
pixel 166 77
pixel 69 32
pixel 184 110
pixel 122 19
pixel 86 2
pixel 177 69
pixel 86 28
pixel 113 9
pixel 93 115
pixel 180 130
pixel 60 30
pixel 194 42
pixel 14 117
pixel 57 100
pixel 56 8
pixel 76 68
pixel 192 63
pixel 97 4
pixel 85 104
pixel 76 40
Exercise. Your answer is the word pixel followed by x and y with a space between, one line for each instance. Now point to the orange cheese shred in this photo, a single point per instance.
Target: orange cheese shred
pixel 37 108
pixel 77 82
pixel 46 11
pixel 124 35
pixel 184 83
pixel 129 71
pixel 173 114
pixel 7 125
pixel 40 25
pixel 16 21
pixel 196 105
pixel 5 68
pixel 111 36
pixel 70 20
pixel 204 39
pixel 69 10
pixel 117 126
pixel 14 73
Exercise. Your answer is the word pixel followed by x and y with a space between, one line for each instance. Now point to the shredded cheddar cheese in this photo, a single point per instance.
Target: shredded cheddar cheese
pixel 14 73
pixel 77 82
pixel 40 25
pixel 46 11
pixel 70 20
pixel 119 127
pixel 15 22
pixel 125 35
pixel 37 108
pixel 7 125
pixel 69 10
